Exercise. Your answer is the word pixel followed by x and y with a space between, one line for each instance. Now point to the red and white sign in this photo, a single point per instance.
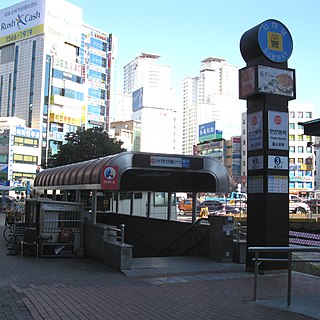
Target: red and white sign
pixel 109 178
pixel 278 130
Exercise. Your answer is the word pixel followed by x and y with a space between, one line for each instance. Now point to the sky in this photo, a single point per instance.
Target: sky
pixel 185 32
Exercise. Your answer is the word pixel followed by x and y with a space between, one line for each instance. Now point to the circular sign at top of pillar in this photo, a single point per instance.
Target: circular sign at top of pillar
pixel 269 40
pixel 275 41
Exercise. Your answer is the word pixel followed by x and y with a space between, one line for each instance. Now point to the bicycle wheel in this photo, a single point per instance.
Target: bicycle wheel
pixel 8 233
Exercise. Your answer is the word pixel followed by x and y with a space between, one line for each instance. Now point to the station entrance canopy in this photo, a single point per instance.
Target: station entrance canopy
pixel 311 128
pixel 138 171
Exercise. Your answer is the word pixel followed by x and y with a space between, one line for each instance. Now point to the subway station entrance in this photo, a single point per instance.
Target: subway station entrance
pixel 133 183
pixel 132 193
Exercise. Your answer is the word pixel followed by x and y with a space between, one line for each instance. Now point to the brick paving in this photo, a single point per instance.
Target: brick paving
pixel 66 288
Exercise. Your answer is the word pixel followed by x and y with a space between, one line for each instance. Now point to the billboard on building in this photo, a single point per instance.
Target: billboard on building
pixel 137 99
pixel 21 21
pixel 63 22
pixel 207 131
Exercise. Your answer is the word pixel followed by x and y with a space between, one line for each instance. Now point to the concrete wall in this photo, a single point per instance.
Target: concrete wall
pixel 94 237
pixel 150 237
pixel 101 244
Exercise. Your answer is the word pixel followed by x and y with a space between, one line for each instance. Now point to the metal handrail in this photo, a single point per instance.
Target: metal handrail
pixel 289 250
pixel 121 230
pixel 198 221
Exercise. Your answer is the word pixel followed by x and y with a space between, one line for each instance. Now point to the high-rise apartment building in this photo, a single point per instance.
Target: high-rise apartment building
pixel 211 96
pixel 145 71
pixel 153 105
pixel 55 71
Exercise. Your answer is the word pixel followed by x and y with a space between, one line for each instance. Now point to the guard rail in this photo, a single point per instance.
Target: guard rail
pixel 289 250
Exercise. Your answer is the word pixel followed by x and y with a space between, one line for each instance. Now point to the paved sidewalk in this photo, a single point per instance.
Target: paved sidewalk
pixel 169 288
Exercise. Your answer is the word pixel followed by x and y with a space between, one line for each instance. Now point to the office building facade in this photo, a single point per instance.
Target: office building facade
pixel 19 151
pixel 55 71
pixel 227 152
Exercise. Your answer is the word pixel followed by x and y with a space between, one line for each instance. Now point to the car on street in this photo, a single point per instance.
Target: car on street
pixel 215 206
pixel 185 206
pixel 297 205
pixel 314 204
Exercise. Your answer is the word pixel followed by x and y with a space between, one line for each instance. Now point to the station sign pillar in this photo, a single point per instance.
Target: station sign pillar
pixel 267 84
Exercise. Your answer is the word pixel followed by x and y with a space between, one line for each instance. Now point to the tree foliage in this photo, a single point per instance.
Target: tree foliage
pixel 85 145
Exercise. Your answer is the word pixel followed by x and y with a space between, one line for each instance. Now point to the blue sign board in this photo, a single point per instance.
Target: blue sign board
pixel 137 99
pixel 207 131
pixel 275 41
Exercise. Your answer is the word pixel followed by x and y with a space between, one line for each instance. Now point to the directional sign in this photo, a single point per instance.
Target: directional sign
pixel 278 162
pixel 255 163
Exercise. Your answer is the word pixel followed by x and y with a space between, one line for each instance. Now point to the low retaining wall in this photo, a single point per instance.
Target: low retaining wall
pixel 100 245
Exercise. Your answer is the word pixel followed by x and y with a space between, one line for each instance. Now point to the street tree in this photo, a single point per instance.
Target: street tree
pixel 85 145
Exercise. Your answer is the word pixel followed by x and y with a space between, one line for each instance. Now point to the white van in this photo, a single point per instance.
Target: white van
pixel 297 205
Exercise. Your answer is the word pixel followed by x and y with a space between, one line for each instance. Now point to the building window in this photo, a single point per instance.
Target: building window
pixel 300 137
pixel 26 159
pixel 26 142
pixel 32 75
pixel 1 85
pixel 16 176
pixel 299 114
pixel 9 94
pixel 292 114
pixel 308 115
pixel 4 158
pixel 56 127
pixel 291 125
pixel 291 137
pixel 160 199
pixel 14 91
pixel 300 149
pixel 292 149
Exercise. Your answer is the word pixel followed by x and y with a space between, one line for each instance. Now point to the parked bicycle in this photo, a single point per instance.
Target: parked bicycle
pixel 8 233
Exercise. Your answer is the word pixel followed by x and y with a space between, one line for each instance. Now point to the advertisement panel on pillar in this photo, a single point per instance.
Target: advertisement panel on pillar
pixel 247 82
pixel 276 81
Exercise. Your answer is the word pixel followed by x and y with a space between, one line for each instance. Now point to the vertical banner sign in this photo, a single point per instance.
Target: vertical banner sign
pixel 109 178
pixel 255 131
pixel 278 130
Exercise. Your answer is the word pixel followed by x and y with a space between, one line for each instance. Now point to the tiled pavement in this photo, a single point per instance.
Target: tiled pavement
pixel 67 288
